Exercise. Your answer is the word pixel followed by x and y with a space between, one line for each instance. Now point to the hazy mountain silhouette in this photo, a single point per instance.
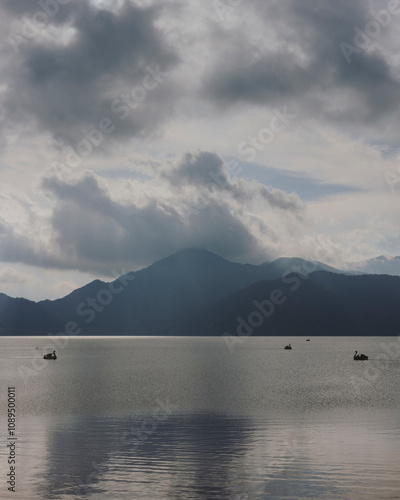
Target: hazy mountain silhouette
pixel 198 292
pixel 378 265
pixel 22 316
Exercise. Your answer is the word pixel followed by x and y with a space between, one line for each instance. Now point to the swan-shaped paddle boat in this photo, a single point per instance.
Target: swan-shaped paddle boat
pixel 288 346
pixel 360 357
pixel 51 355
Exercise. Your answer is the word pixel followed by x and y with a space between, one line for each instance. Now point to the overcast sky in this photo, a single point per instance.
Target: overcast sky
pixel 253 128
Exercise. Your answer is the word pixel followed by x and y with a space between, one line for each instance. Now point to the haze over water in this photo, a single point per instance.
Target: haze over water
pixel 185 418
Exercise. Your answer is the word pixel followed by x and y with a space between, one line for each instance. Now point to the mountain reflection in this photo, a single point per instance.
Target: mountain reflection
pixel 187 456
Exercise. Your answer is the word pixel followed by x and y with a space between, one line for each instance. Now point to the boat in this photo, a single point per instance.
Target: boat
pixel 307 340
pixel 359 357
pixel 51 355
pixel 288 346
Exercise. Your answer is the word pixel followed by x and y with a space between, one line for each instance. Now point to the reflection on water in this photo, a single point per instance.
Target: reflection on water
pixel 186 419
pixel 209 456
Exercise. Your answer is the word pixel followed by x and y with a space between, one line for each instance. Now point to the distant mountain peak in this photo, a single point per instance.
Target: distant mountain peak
pixel 382 264
pixel 200 256
pixel 196 252
pixel 382 258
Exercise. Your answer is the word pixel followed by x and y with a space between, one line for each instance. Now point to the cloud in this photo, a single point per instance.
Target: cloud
pixel 297 60
pixel 10 275
pixel 26 246
pixel 97 225
pixel 64 287
pixel 86 64
pixel 207 172
pixel 198 205
pixel 362 225
pixel 91 61
pixel 24 229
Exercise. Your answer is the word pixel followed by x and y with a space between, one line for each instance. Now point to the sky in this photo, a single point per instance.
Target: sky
pixel 130 130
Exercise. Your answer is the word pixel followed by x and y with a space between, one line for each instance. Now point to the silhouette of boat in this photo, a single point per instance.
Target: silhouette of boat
pixel 288 346
pixel 51 355
pixel 360 357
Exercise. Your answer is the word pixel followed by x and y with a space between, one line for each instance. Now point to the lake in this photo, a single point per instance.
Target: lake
pixel 196 418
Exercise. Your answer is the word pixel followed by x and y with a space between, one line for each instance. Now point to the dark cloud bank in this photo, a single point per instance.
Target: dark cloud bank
pixel 105 69
pixel 96 65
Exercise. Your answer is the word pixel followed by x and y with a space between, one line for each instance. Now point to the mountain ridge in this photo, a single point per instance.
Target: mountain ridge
pixel 382 264
pixel 320 304
pixel 159 299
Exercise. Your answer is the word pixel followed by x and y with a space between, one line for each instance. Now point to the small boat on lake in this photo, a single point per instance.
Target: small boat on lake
pixel 51 355
pixel 359 357
pixel 288 346
pixel 307 340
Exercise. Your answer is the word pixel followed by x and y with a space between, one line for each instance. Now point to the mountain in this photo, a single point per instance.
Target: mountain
pixel 148 301
pixel 285 265
pixel 174 293
pixel 322 304
pixel 378 265
pixel 18 316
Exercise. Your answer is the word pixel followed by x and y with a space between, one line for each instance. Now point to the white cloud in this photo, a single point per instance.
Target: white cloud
pixel 10 275
pixel 364 224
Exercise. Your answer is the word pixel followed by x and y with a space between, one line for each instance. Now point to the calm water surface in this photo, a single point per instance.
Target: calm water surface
pixel 185 418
